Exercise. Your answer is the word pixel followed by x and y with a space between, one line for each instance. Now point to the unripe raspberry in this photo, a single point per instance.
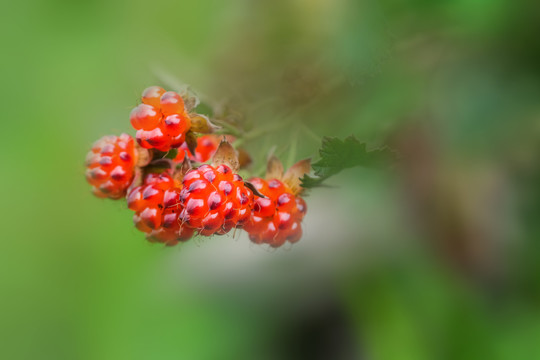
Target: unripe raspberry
pixel 157 207
pixel 277 218
pixel 160 121
pixel 110 165
pixel 215 200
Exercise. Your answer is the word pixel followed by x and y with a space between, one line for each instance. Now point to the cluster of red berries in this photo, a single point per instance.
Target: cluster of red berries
pixel 215 200
pixel 110 165
pixel 277 217
pixel 172 201
pixel 157 205
pixel 161 121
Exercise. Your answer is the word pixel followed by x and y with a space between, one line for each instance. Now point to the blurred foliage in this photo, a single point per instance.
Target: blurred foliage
pixel 435 259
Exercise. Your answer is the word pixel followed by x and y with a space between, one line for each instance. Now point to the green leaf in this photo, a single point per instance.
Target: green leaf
pixel 309 182
pixel 171 154
pixel 205 109
pixel 337 155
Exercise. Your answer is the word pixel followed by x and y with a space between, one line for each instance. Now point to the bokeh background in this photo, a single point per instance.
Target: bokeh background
pixel 436 256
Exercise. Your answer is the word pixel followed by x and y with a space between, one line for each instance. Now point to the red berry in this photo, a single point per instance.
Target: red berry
pixel 157 208
pixel 171 103
pixel 160 120
pixel 276 219
pixel 215 200
pixel 206 147
pixel 110 165
pixel 152 95
pixel 145 117
pixel 175 125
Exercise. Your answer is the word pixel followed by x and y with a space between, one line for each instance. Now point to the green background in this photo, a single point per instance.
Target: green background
pixel 436 257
